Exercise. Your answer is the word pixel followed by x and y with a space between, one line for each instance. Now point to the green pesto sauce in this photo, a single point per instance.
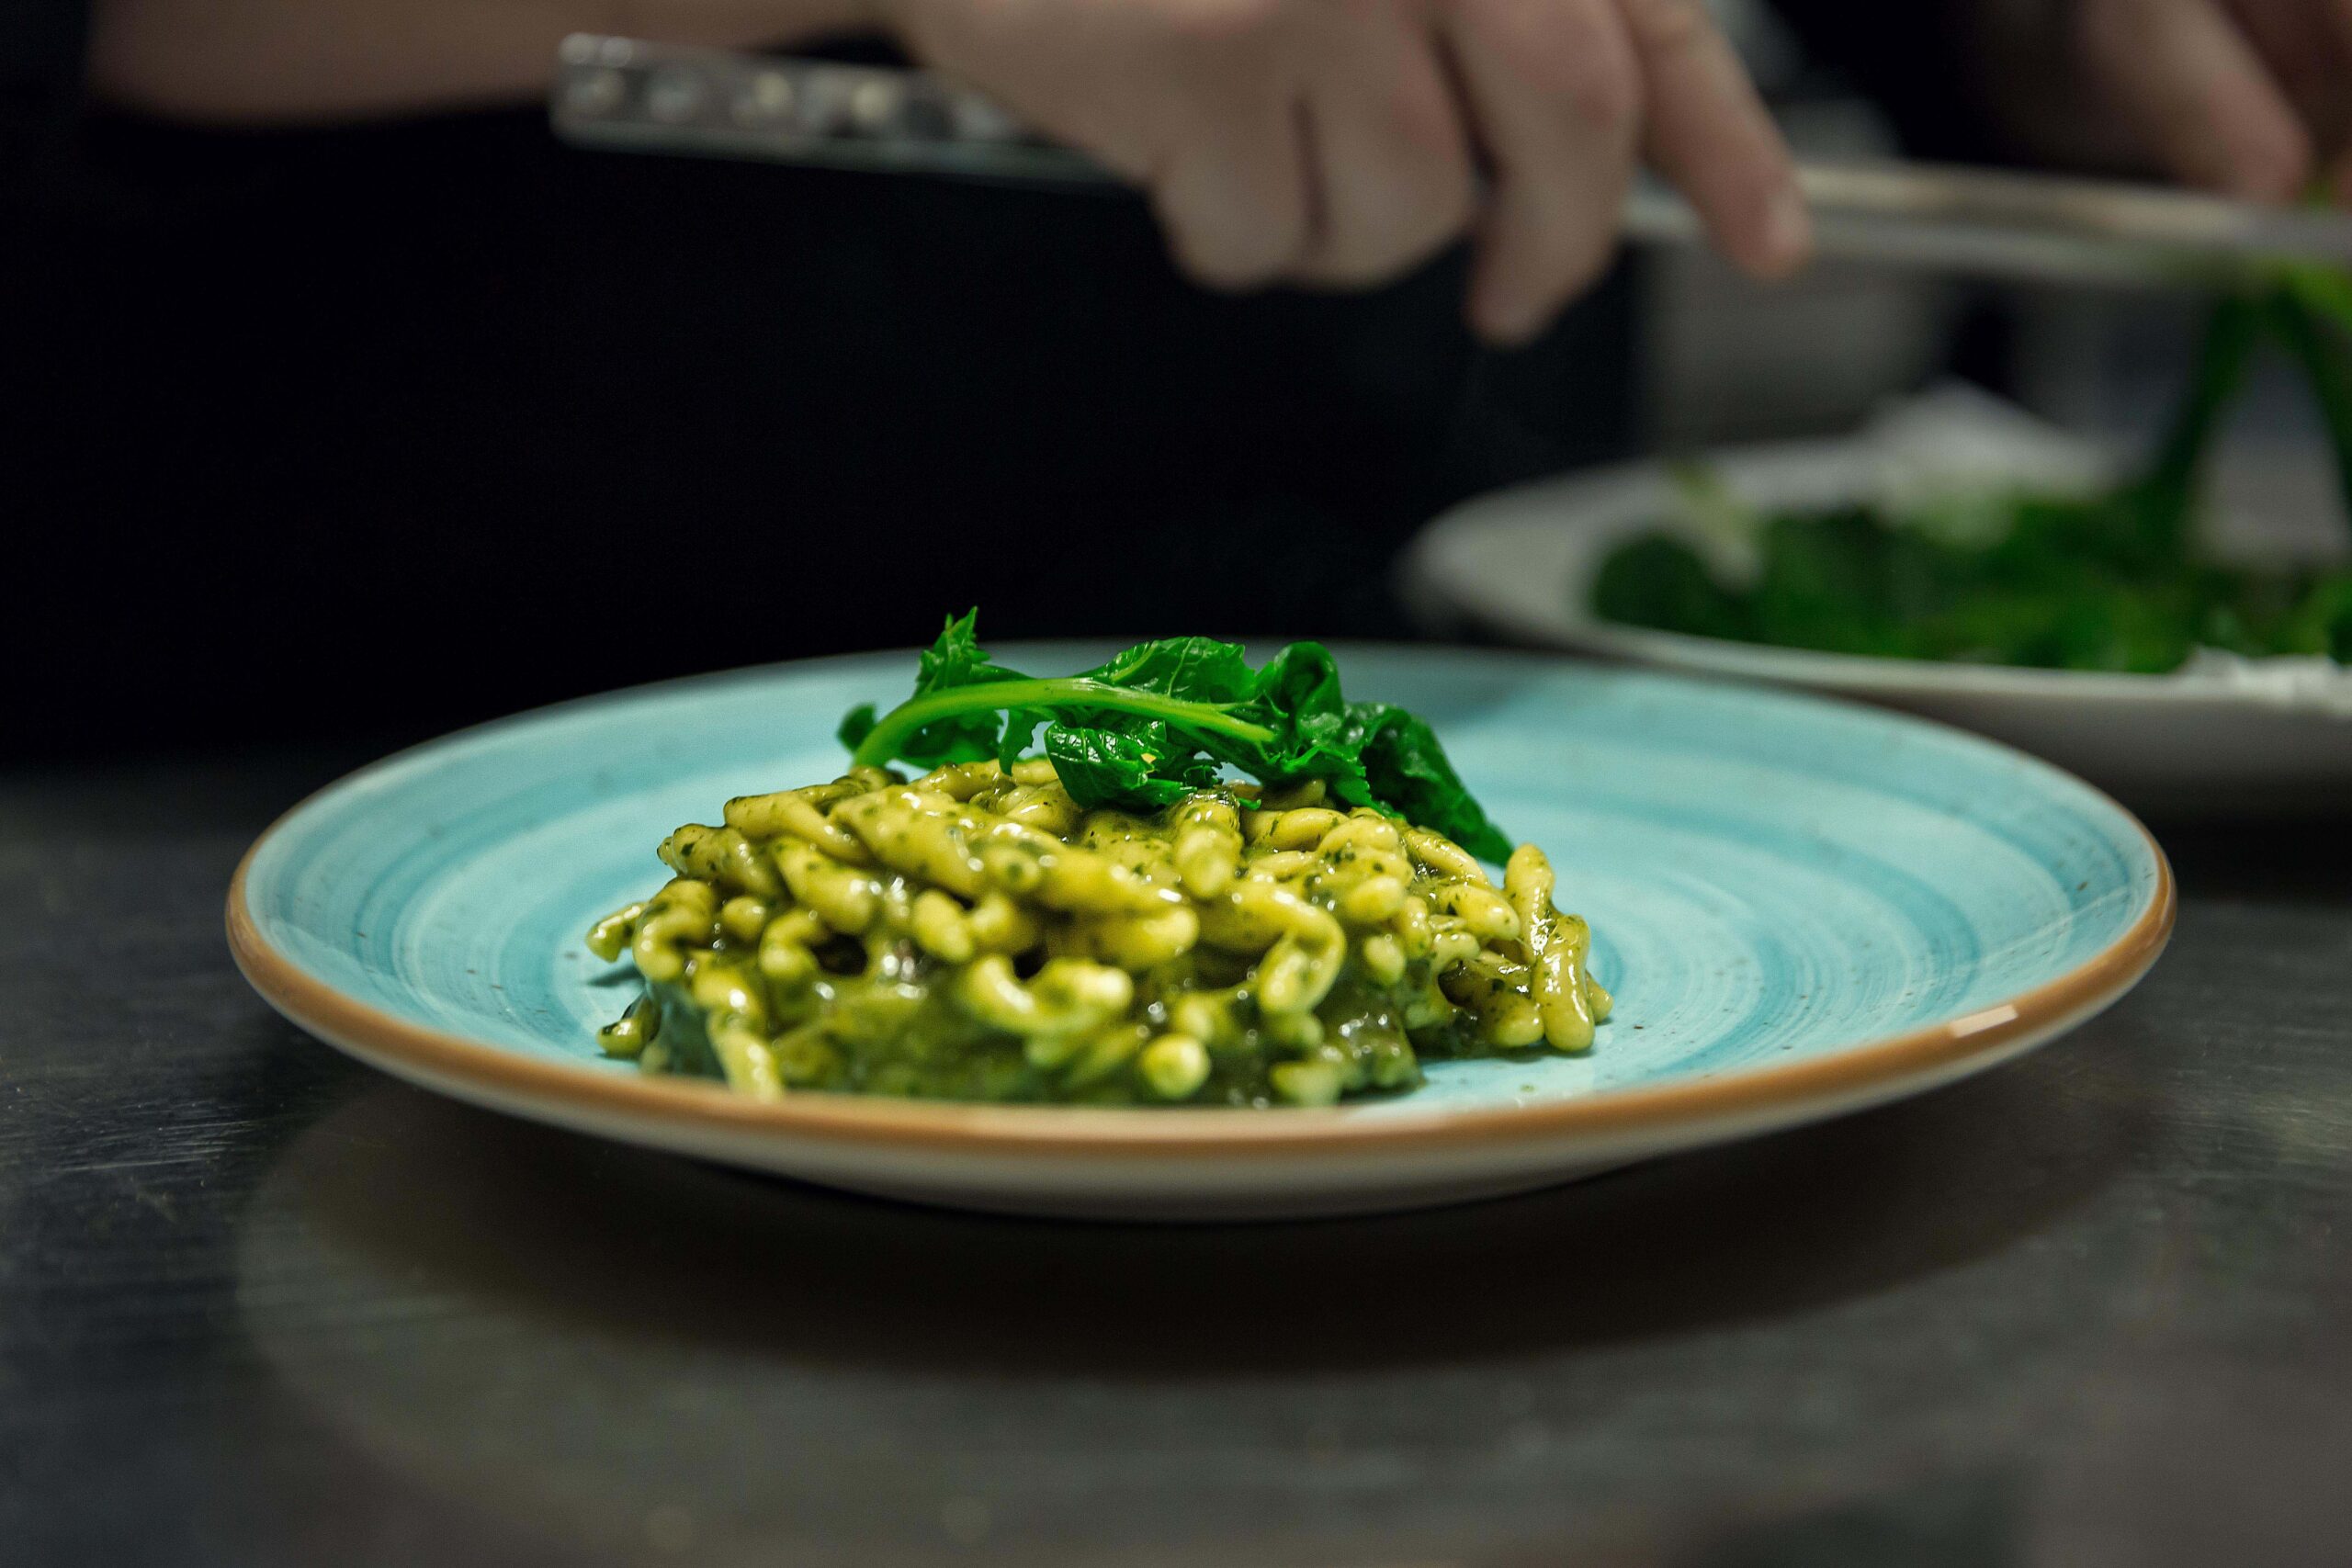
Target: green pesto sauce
pixel 887 1030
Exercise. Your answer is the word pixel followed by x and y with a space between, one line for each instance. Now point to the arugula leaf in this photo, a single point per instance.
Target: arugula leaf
pixel 855 726
pixel 1655 580
pixel 1407 770
pixel 1164 718
pixel 1106 765
pixel 2323 290
pixel 1199 668
pixel 2322 623
pixel 954 661
pixel 1299 699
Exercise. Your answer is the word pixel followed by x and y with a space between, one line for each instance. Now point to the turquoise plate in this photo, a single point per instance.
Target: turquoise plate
pixel 1802 908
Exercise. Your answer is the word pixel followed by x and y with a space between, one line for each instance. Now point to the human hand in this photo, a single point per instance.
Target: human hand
pixel 2250 98
pixel 1339 143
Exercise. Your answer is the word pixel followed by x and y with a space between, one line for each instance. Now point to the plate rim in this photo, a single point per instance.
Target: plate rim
pixel 1862 1070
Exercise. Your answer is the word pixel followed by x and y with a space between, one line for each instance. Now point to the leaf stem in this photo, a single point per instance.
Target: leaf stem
pixel 2301 316
pixel 2169 483
pixel 1068 692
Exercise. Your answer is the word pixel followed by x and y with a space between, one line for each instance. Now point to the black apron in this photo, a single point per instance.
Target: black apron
pixel 386 428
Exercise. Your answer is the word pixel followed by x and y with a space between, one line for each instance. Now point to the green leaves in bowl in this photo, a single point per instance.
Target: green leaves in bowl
pixel 2115 579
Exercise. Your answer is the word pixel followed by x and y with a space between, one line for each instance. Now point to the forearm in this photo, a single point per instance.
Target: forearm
pixel 322 60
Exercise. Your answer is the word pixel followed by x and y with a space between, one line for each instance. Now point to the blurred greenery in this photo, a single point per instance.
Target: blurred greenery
pixel 2118 580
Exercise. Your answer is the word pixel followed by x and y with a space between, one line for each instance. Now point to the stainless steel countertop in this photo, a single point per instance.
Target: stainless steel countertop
pixel 260 1305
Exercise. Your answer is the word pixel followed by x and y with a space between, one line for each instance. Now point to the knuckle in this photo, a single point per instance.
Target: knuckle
pixel 1455 209
pixel 2273 165
pixel 1610 94
pixel 1230 24
pixel 1421 114
pixel 1370 260
pixel 1571 253
pixel 1448 202
pixel 1667 26
pixel 1221 266
pixel 1230 257
pixel 1405 223
pixel 1435 189
pixel 1587 266
pixel 1582 50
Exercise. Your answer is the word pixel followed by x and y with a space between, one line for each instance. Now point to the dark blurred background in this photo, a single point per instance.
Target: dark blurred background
pixel 363 432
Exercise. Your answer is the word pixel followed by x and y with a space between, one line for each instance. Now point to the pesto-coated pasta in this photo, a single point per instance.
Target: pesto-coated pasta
pixel 976 934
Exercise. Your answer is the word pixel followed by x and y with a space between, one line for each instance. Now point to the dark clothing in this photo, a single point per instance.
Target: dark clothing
pixel 40 74
pixel 1917 60
pixel 435 419
pixel 404 424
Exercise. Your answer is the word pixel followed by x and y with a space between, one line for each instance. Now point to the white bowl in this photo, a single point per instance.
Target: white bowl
pixel 2223 736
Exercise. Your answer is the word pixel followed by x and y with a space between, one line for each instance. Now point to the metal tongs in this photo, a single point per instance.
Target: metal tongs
pixel 629 96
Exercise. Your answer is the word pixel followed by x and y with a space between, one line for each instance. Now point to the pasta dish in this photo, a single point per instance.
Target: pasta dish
pixel 1020 928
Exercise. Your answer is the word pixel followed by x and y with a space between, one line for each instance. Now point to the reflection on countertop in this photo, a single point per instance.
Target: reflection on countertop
pixel 260 1305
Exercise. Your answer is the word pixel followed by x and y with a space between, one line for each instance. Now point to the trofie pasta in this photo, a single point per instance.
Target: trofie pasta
pixel 976 934
pixel 1117 922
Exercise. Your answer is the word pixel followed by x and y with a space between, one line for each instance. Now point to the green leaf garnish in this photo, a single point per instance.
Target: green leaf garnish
pixel 1165 718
